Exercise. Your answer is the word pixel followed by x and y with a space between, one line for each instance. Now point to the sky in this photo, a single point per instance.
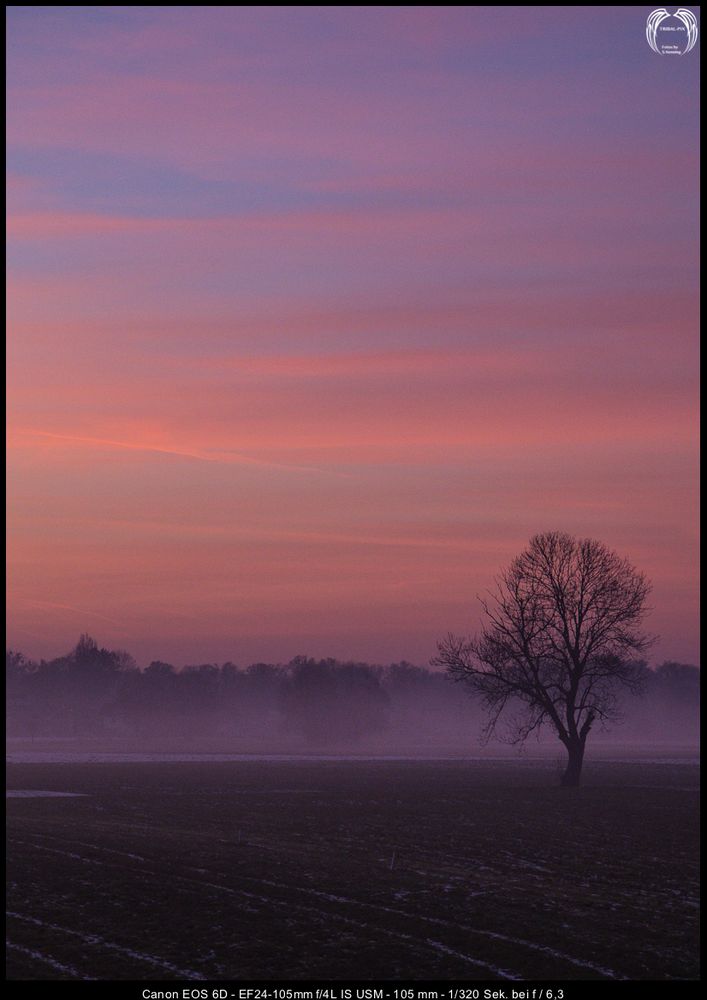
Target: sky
pixel 318 314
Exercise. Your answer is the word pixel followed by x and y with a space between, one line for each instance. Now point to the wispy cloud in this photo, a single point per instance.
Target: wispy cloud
pixel 206 455
pixel 82 613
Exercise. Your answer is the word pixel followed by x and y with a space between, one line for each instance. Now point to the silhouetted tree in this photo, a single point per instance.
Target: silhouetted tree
pixel 92 678
pixel 16 666
pixel 679 681
pixel 331 703
pixel 561 631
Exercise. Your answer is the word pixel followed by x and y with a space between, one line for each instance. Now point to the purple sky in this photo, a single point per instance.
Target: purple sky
pixel 318 314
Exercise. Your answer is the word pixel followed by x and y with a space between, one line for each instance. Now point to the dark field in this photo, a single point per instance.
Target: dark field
pixel 285 870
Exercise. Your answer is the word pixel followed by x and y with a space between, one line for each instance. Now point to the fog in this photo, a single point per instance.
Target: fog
pixel 306 706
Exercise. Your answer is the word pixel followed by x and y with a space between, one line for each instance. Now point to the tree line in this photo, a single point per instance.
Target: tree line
pixel 92 691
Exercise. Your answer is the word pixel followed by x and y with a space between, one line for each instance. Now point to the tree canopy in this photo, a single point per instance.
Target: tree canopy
pixel 561 635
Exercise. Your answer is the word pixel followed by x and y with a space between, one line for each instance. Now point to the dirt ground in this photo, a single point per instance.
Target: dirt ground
pixel 463 870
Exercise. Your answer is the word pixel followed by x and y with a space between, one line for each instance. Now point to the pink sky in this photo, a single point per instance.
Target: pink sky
pixel 316 315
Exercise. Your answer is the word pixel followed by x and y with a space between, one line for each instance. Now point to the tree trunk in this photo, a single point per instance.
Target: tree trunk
pixel 575 759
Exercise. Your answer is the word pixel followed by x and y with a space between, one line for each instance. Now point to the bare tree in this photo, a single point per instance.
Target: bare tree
pixel 561 633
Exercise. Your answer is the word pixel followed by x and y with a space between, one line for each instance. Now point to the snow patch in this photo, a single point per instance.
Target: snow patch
pixel 36 793
pixel 94 939
pixel 47 959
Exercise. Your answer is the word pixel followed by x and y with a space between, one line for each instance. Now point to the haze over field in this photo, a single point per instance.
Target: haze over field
pixel 93 701
pixel 318 314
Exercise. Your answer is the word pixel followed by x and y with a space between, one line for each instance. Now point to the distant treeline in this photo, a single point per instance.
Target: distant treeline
pixel 93 692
